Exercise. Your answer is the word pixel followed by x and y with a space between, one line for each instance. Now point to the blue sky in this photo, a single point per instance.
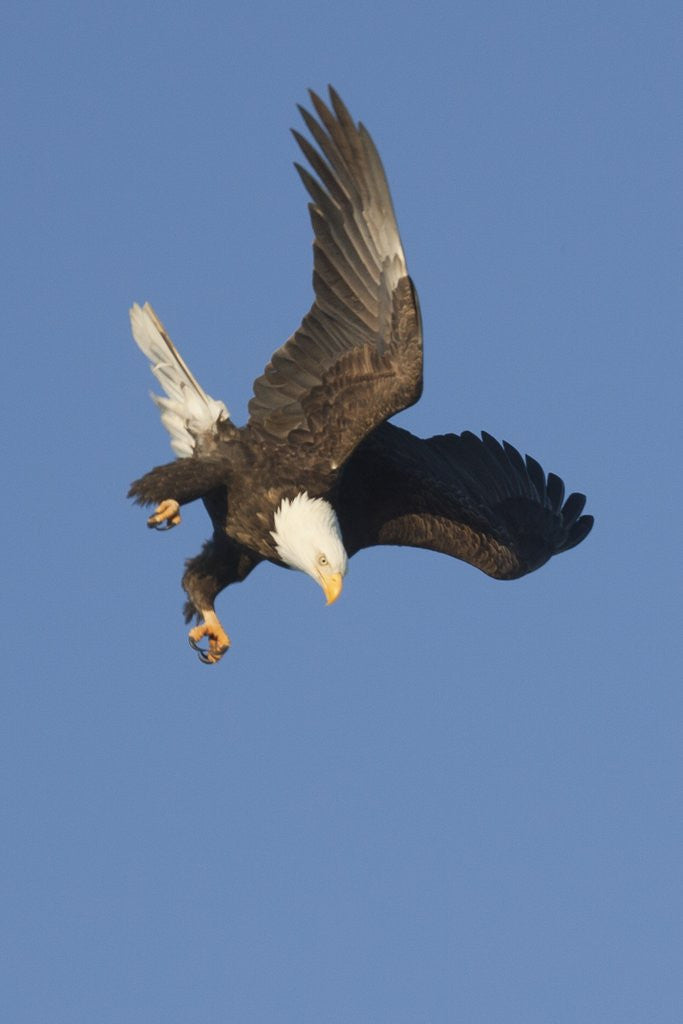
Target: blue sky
pixel 445 799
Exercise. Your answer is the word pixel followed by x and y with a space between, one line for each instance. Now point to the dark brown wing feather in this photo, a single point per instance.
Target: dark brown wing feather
pixel 469 497
pixel 357 357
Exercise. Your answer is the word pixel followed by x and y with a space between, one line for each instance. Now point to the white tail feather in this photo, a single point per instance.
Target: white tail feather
pixel 187 412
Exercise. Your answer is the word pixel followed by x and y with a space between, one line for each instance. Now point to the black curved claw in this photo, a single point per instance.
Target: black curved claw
pixel 203 654
pixel 162 527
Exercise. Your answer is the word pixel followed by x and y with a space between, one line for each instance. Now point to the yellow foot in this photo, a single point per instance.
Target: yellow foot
pixel 166 515
pixel 219 641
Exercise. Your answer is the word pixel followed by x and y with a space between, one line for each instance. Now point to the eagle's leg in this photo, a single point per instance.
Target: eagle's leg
pixel 165 516
pixel 178 483
pixel 219 641
pixel 220 563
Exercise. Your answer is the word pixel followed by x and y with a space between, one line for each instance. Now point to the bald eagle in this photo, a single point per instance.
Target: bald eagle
pixel 318 472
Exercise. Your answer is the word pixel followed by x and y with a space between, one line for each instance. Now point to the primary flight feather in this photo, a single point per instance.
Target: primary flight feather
pixel 318 473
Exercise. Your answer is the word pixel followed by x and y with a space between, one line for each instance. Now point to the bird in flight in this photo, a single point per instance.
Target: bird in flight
pixel 318 472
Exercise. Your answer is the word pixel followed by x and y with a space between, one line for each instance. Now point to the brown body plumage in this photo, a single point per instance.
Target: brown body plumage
pixel 317 421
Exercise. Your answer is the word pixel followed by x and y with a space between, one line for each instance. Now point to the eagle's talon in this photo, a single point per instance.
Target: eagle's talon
pixel 219 642
pixel 204 657
pixel 165 516
pixel 201 651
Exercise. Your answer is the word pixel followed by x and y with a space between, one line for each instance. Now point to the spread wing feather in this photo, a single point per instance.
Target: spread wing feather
pixel 356 359
pixel 469 497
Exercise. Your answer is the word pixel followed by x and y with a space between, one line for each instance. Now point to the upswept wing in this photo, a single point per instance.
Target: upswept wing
pixel 357 357
pixel 473 498
pixel 191 416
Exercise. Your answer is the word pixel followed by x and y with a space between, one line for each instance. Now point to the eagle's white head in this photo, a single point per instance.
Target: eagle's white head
pixel 307 537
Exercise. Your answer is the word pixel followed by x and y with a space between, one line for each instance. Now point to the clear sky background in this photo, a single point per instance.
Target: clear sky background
pixel 445 799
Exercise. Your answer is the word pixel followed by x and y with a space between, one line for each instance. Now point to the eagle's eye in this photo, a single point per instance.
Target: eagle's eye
pixel 322 560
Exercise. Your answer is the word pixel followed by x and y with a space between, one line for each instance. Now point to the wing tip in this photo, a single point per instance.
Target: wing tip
pixel 578 532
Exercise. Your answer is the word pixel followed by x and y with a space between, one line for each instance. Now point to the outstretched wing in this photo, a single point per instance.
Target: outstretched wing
pixel 357 357
pixel 191 417
pixel 473 498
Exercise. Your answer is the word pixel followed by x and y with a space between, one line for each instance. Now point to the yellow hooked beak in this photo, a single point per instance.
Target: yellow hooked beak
pixel 332 585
